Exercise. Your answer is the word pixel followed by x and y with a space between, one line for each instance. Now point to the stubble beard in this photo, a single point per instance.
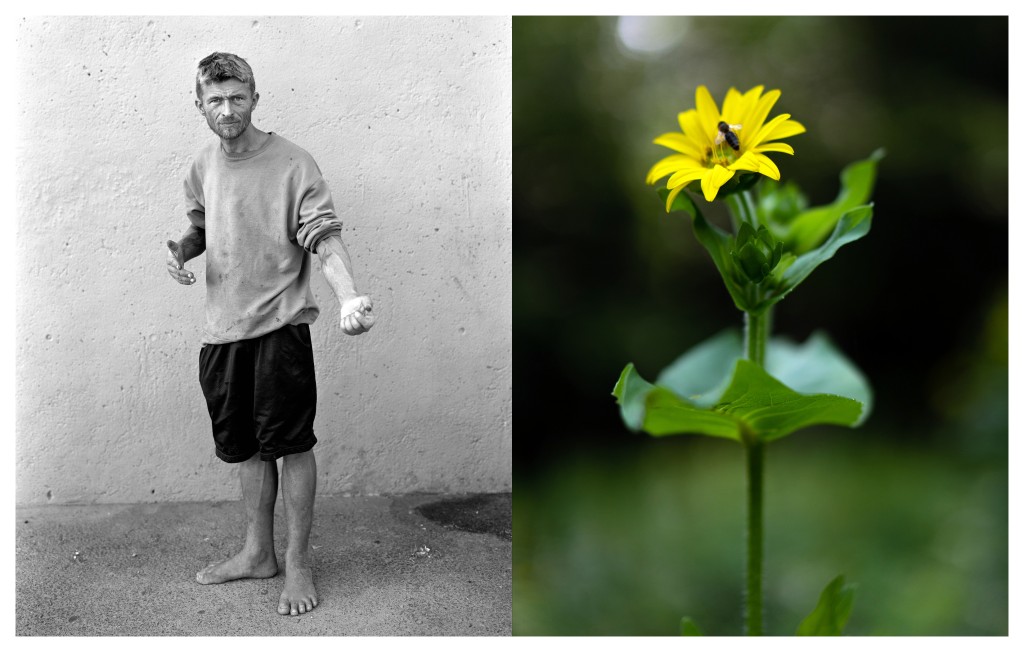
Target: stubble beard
pixel 228 132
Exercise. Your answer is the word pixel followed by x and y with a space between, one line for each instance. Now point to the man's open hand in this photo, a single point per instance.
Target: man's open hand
pixel 176 264
pixel 357 315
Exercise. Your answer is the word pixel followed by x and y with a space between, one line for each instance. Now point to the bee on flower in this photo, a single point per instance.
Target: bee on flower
pixel 710 149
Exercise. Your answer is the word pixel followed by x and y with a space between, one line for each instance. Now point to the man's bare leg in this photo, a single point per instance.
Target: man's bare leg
pixel 299 482
pixel 256 559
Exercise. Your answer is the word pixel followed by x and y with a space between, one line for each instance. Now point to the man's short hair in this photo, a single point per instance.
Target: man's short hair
pixel 221 66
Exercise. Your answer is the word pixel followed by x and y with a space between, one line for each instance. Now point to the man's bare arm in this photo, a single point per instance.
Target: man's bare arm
pixel 336 264
pixel 192 243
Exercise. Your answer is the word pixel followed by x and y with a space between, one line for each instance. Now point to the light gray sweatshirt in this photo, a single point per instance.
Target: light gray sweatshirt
pixel 264 212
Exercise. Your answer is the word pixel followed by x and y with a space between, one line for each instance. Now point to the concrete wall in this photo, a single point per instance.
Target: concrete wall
pixel 410 121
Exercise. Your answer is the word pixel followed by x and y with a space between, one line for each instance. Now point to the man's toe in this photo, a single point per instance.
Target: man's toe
pixel 282 608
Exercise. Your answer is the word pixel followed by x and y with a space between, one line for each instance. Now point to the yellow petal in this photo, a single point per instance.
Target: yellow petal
pixel 747 103
pixel 683 177
pixel 767 167
pixel 672 197
pixel 784 129
pixel 785 148
pixel 731 106
pixel 689 122
pixel 707 110
pixel 667 165
pixel 761 110
pixel 680 143
pixel 746 162
pixel 759 137
pixel 714 180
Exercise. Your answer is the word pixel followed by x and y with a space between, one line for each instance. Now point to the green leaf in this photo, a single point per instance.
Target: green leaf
pixel 689 628
pixel 818 366
pixel 631 391
pixel 702 374
pixel 771 410
pixel 718 243
pixel 852 226
pixel 812 226
pixel 712 391
pixel 833 610
pixel 778 203
pixel 665 413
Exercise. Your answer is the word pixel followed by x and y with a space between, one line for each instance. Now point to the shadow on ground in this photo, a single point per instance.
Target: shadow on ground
pixel 481 513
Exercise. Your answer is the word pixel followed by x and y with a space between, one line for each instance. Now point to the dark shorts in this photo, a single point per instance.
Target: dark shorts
pixel 261 394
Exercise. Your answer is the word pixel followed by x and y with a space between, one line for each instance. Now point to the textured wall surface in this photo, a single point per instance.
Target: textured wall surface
pixel 410 121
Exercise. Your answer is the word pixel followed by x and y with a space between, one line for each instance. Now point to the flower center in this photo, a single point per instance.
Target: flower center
pixel 719 155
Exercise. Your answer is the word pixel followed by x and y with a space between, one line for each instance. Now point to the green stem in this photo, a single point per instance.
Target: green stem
pixel 755 336
pixel 755 342
pixel 741 206
pixel 747 198
pixel 755 536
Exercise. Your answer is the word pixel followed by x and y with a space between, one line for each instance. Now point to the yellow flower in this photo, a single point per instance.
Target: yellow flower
pixel 705 150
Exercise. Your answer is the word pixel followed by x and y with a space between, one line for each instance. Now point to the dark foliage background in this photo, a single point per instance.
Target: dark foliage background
pixel 617 533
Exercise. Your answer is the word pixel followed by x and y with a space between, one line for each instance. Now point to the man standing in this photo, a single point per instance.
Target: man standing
pixel 258 207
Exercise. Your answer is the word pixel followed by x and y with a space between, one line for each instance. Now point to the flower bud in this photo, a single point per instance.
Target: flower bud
pixel 756 253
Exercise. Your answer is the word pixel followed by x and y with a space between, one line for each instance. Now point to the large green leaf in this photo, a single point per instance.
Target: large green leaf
pixel 702 374
pixel 631 391
pixel 712 391
pixel 666 413
pixel 833 610
pixel 812 226
pixel 818 366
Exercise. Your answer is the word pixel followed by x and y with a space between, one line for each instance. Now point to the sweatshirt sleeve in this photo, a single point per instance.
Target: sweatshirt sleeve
pixel 317 219
pixel 195 202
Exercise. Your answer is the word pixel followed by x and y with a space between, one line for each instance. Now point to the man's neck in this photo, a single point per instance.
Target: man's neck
pixel 248 141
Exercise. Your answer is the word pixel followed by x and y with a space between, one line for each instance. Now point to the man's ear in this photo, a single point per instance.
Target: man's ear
pixel 255 100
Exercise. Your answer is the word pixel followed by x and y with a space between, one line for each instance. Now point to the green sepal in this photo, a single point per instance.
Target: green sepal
pixel 739 183
pixel 711 390
pixel 833 610
pixel 683 201
pixel 689 628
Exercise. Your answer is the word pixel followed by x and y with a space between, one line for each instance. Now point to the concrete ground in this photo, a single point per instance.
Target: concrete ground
pixel 382 568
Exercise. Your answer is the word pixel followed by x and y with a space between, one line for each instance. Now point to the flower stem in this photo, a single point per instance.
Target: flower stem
pixel 756 340
pixel 741 206
pixel 755 336
pixel 755 536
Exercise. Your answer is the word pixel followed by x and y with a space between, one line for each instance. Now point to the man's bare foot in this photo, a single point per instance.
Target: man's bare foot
pixel 242 566
pixel 299 595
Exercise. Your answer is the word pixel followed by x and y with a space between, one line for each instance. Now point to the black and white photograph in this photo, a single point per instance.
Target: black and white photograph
pixel 263 326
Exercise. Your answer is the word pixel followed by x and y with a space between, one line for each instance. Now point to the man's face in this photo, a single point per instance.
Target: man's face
pixel 228 107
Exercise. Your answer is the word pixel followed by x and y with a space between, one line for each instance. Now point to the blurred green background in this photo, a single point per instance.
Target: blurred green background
pixel 617 533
